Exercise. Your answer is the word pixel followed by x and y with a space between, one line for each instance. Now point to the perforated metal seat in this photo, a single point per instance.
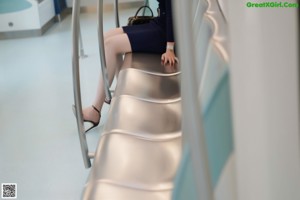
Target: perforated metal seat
pixel 144 119
pixel 114 192
pixel 147 86
pixel 142 130
pixel 124 159
pixel 150 63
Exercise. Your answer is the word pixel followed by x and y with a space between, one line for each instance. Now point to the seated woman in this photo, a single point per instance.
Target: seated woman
pixel 154 37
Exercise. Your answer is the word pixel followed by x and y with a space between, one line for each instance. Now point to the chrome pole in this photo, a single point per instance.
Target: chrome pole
pixel 102 51
pixel 76 83
pixel 117 17
pixel 192 123
pixel 146 4
pixel 82 54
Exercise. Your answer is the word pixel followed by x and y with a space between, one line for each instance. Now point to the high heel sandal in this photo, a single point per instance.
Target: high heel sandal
pixel 94 124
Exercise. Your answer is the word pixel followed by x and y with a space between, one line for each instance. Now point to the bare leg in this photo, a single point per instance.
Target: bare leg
pixel 111 33
pixel 127 61
pixel 116 44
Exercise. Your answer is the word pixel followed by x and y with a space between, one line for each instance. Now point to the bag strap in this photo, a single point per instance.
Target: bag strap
pixel 137 12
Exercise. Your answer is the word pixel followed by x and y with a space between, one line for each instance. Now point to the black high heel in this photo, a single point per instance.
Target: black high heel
pixel 94 124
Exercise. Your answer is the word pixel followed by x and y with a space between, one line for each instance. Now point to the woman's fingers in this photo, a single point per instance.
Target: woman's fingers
pixel 174 60
pixel 170 60
pixel 166 58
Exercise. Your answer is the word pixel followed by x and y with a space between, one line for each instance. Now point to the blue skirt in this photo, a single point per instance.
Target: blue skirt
pixel 147 38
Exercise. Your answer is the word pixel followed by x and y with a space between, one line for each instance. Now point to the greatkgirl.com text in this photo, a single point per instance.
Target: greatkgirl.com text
pixel 272 5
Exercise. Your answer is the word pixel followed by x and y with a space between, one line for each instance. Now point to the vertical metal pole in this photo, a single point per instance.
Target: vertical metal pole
pixel 76 83
pixel 265 111
pixel 192 119
pixel 146 4
pixel 117 18
pixel 102 50
pixel 82 54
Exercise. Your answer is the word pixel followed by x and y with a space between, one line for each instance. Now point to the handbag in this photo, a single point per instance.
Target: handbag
pixel 135 20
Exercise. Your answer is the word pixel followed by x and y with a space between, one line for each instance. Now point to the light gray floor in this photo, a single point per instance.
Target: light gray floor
pixel 39 145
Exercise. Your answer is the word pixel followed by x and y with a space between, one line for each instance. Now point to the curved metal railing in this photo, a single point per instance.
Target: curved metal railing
pixel 78 47
pixel 76 83
pixel 192 125
pixel 102 51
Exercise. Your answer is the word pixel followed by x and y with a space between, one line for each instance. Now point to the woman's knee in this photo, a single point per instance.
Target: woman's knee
pixel 116 44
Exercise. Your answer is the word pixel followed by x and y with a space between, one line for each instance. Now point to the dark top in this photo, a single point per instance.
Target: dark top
pixel 152 37
pixel 165 18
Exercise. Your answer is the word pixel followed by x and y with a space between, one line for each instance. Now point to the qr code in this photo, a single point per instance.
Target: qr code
pixel 9 191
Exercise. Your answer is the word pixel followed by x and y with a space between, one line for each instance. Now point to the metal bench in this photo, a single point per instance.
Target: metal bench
pixel 140 147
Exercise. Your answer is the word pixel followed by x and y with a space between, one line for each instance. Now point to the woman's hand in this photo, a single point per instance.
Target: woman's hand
pixel 168 68
pixel 169 57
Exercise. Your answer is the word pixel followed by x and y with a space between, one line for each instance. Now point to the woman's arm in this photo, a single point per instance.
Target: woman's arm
pixel 169 21
pixel 169 55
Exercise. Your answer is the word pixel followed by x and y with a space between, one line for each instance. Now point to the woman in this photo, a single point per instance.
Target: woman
pixel 154 37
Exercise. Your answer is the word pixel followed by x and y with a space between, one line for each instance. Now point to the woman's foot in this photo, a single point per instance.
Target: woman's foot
pixel 92 115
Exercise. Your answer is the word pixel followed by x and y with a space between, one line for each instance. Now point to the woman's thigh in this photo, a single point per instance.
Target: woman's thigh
pixel 118 43
pixel 113 32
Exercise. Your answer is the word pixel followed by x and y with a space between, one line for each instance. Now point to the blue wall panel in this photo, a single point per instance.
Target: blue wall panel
pixel 9 6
